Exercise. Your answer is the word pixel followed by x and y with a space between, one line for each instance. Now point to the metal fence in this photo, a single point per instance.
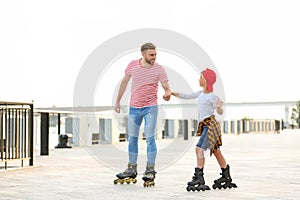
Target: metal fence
pixel 16 132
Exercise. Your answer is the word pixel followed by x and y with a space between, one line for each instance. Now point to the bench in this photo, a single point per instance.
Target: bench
pixel 95 138
pixel 122 137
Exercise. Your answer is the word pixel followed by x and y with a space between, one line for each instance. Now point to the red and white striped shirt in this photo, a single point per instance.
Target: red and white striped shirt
pixel 145 83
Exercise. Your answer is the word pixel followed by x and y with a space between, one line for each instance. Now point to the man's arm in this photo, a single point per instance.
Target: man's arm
pixel 122 89
pixel 168 91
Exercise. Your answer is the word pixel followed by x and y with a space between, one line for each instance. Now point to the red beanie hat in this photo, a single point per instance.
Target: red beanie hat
pixel 210 77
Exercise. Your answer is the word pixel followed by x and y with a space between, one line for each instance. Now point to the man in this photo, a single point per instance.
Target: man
pixel 145 74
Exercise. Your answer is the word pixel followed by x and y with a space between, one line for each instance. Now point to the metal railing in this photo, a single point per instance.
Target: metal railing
pixel 16 132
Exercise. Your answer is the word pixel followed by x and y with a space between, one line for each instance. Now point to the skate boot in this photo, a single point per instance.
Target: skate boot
pixel 225 181
pixel 197 182
pixel 149 175
pixel 128 176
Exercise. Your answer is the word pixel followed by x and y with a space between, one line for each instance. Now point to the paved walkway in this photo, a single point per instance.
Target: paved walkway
pixel 264 166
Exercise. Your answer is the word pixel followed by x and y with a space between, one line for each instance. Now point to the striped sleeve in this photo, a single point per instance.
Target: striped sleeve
pixel 163 75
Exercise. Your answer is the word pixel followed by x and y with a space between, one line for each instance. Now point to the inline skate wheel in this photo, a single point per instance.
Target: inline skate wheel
pixel 188 188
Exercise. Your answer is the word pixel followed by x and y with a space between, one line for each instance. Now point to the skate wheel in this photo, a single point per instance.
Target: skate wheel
pixel 188 188
pixel 116 181
pixel 149 183
pixel 214 186
pixel 199 188
pixel 134 181
pixel 202 188
pixel 219 187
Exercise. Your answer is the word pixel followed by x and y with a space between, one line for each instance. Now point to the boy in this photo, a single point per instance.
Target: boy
pixel 209 130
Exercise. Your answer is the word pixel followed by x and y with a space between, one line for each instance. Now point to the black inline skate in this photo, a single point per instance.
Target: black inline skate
pixel 128 176
pixel 225 181
pixel 197 182
pixel 149 175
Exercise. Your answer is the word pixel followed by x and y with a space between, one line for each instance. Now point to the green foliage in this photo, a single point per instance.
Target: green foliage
pixel 246 118
pixel 295 115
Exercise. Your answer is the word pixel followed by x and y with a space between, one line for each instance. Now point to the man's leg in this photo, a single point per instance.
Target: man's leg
pixel 134 122
pixel 150 116
pixel 150 130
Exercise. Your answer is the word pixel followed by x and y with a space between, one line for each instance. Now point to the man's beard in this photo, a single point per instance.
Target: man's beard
pixel 150 62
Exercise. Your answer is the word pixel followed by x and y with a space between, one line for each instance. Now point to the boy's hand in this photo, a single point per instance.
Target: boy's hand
pixel 219 107
pixel 219 103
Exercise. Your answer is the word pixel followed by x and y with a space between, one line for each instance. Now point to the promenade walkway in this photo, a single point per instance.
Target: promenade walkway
pixel 264 166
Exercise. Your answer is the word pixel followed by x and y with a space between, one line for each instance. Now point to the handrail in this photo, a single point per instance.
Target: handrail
pixel 16 131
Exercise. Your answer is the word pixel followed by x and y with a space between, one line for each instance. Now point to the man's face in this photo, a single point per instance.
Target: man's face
pixel 149 56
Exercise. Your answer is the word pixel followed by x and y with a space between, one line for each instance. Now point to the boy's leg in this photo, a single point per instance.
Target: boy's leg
pixel 220 158
pixel 203 144
pixel 225 181
pixel 200 157
pixel 198 182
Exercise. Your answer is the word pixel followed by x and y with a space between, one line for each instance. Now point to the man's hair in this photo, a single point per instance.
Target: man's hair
pixel 146 46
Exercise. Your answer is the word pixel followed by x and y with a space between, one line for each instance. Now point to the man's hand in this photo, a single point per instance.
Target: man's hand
pixel 117 107
pixel 168 91
pixel 167 95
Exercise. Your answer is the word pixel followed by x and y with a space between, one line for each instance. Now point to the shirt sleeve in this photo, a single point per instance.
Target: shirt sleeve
pixel 214 100
pixel 128 69
pixel 190 96
pixel 163 77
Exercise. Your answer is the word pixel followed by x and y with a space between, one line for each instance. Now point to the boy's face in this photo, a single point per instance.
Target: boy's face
pixel 202 81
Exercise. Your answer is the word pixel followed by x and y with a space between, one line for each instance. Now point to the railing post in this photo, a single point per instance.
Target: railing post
pixel 58 124
pixel 44 134
pixel 30 131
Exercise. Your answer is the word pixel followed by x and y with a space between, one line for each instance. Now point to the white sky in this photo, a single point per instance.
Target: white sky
pixel 254 44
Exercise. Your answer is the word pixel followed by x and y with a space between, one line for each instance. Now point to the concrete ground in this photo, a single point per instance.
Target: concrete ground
pixel 264 166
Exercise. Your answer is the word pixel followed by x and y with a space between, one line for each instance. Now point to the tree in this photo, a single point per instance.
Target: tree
pixel 295 118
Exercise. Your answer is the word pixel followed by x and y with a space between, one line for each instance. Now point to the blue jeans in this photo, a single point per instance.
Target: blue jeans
pixel 203 142
pixel 135 118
